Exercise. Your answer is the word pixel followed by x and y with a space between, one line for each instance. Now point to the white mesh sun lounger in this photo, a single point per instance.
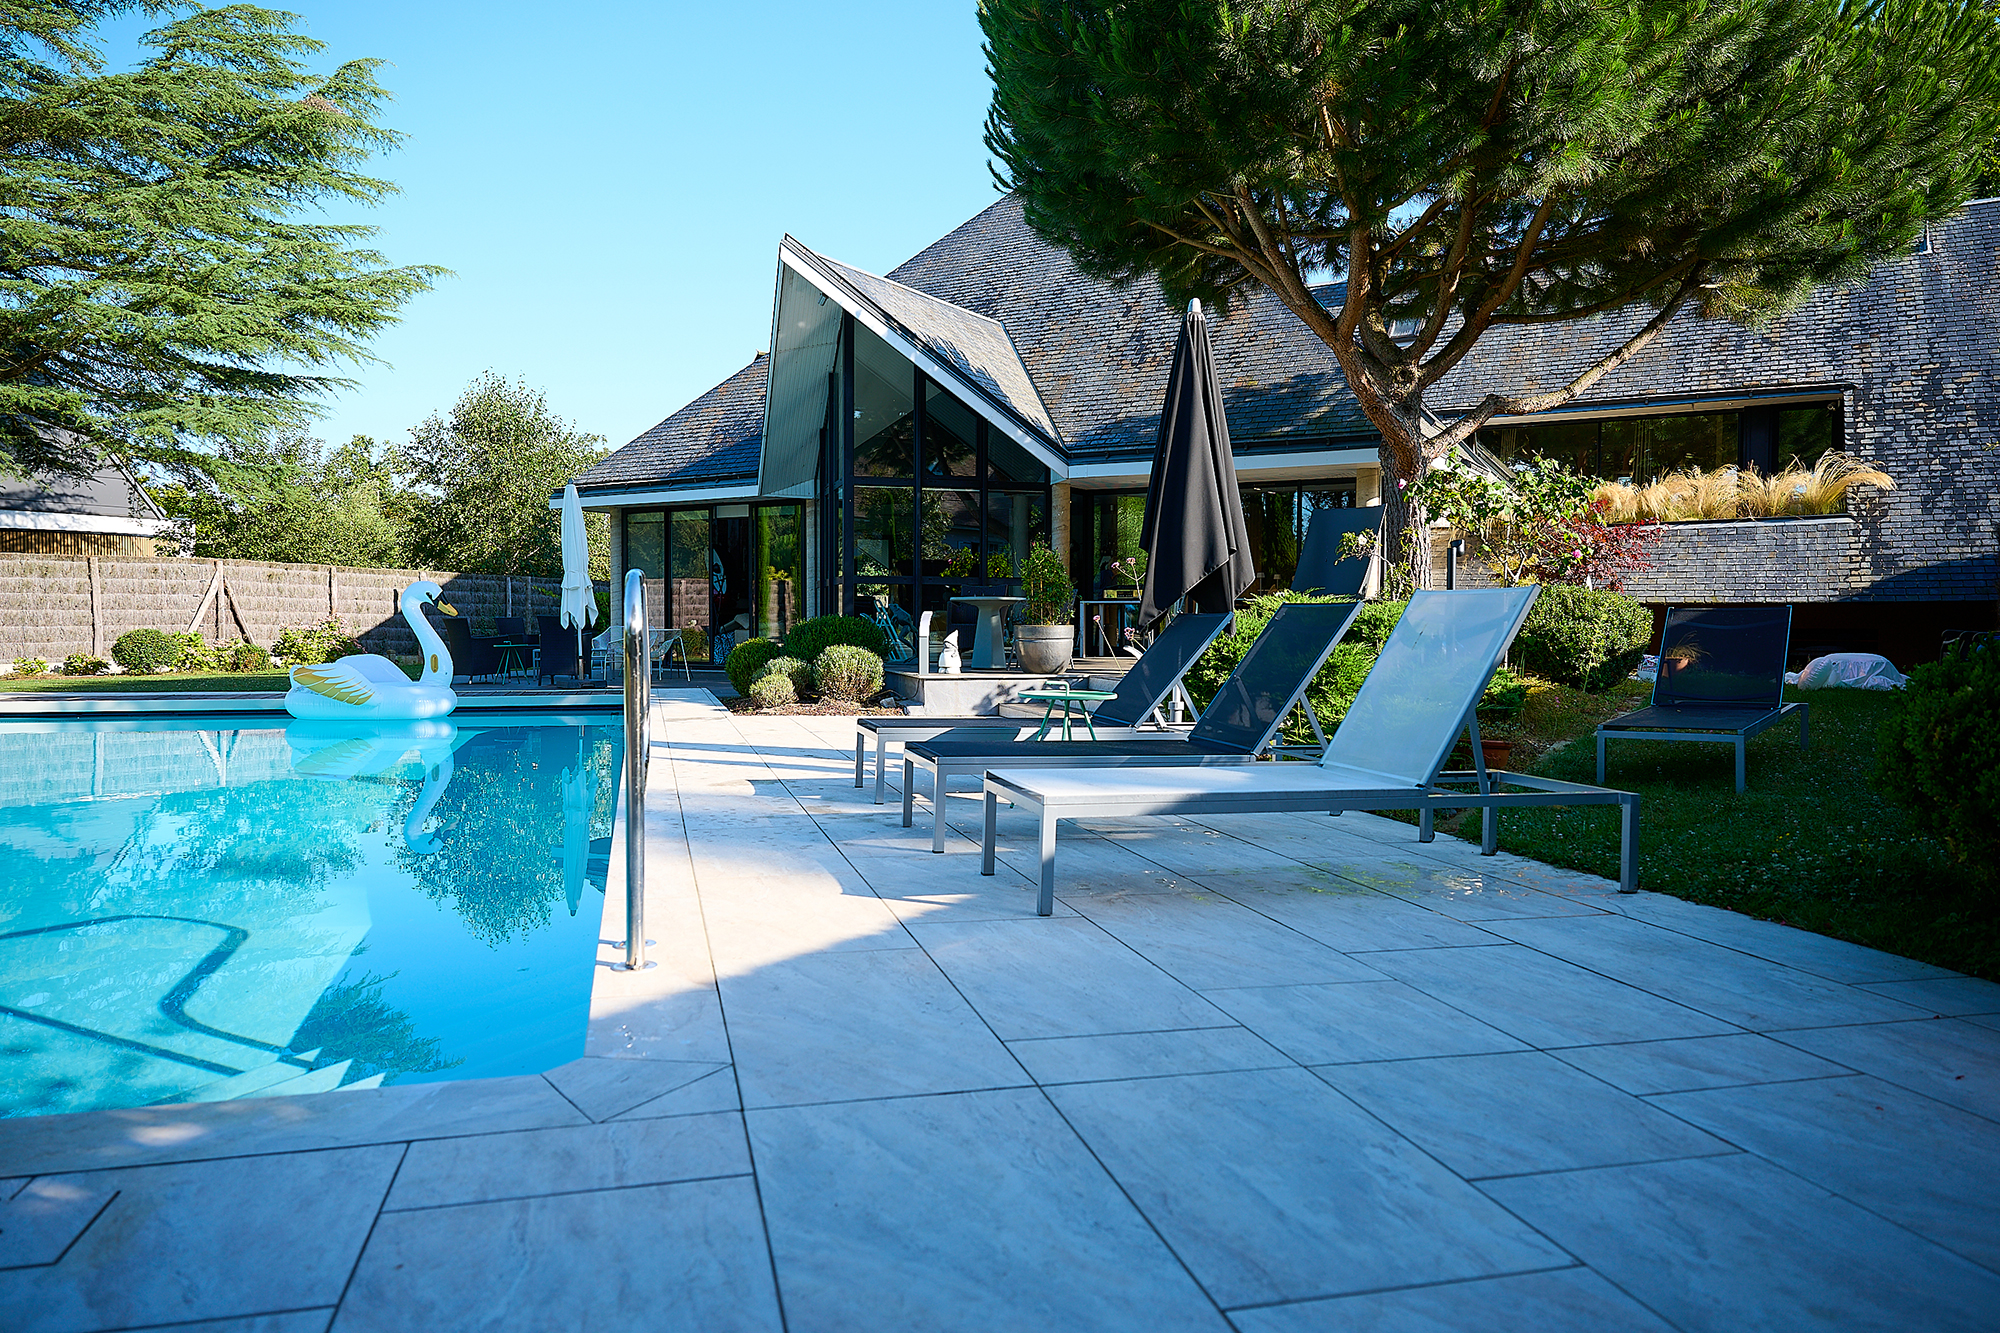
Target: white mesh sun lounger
pixel 1388 754
pixel 1134 709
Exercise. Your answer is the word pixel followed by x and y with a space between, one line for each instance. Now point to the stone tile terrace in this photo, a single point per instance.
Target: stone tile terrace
pixel 1271 1074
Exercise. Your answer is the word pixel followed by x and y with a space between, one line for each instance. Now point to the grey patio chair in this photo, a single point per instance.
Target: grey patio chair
pixel 1239 725
pixel 1389 753
pixel 1722 679
pixel 1138 700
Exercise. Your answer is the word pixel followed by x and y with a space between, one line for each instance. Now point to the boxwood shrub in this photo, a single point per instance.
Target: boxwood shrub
pixel 1939 754
pixel 809 638
pixel 747 660
pixel 1583 637
pixel 146 651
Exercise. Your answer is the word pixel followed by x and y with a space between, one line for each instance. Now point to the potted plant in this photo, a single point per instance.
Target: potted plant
pixel 1046 636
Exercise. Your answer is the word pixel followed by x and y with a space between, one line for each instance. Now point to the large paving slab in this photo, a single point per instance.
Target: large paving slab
pixel 1274 1074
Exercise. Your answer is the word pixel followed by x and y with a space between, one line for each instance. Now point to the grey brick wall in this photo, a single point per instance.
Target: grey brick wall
pixel 1914 351
pixel 1755 560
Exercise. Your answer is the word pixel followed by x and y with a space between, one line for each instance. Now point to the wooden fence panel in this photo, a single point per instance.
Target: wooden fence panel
pixel 52 606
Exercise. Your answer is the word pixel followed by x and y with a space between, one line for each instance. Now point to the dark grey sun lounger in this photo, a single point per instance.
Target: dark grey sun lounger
pixel 1138 698
pixel 1389 753
pixel 1722 679
pixel 1238 726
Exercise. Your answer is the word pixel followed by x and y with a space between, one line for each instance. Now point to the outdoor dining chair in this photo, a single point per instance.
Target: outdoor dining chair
pixel 1388 754
pixel 1133 710
pixel 1239 726
pixel 1722 679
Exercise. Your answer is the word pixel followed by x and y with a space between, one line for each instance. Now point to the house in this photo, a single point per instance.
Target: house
pixel 908 435
pixel 105 513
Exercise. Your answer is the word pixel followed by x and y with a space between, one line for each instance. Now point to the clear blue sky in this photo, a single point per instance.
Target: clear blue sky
pixel 609 181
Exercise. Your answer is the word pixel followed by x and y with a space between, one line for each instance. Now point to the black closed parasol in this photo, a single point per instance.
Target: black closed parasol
pixel 1196 544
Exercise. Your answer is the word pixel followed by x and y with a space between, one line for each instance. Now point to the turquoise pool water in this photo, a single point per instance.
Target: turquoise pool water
pixel 200 910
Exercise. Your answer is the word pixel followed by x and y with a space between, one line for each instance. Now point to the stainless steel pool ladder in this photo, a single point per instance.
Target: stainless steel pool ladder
pixel 638 751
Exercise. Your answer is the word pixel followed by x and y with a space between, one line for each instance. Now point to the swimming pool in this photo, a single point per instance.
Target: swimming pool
pixel 195 910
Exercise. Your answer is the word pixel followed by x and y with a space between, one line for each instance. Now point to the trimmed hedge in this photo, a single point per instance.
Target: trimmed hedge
pixel 1939 755
pixel 847 672
pixel 746 662
pixel 809 638
pixel 1583 637
pixel 146 650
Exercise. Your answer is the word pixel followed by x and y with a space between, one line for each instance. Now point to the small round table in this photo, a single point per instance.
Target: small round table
pixel 1052 695
pixel 989 640
pixel 514 656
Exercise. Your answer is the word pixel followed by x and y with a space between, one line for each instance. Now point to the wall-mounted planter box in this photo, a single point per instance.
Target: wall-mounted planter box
pixel 1794 559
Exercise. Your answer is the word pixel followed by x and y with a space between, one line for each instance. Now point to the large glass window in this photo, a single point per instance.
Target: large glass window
pixel 882 532
pixel 1278 518
pixel 779 568
pixel 932 500
pixel 1644 448
pixel 689 559
pixel 1654 446
pixel 884 409
pixel 1805 434
pixel 951 438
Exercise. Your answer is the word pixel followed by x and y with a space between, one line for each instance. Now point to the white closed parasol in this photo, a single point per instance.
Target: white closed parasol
pixel 579 601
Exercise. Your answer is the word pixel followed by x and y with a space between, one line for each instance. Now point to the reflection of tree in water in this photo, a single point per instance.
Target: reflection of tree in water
pixel 216 852
pixel 351 1021
pixel 500 827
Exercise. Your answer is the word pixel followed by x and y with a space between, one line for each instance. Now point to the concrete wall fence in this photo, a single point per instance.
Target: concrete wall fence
pixel 52 606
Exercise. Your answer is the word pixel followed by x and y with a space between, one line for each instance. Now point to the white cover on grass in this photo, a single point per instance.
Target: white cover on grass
pixel 1848 671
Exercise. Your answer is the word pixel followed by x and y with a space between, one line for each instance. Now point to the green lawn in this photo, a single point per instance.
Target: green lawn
pixel 1810 843
pixel 172 680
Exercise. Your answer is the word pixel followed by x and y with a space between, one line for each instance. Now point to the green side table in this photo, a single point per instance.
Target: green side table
pixel 1072 703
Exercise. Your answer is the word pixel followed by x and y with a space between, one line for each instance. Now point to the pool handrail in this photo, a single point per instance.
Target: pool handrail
pixel 638 750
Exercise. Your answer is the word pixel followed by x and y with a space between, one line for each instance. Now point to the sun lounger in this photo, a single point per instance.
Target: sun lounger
pixel 1135 704
pixel 1388 754
pixel 1722 679
pixel 1237 727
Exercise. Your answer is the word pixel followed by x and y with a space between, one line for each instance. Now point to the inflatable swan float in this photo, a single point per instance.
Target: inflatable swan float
pixel 367 685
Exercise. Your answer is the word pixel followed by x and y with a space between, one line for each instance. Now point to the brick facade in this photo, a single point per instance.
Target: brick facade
pixel 1913 353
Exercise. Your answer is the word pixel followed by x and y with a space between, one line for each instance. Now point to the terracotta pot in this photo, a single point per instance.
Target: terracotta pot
pixel 1044 649
pixel 1496 753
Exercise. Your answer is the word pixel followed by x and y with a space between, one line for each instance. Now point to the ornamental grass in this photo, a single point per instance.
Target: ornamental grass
pixel 1728 492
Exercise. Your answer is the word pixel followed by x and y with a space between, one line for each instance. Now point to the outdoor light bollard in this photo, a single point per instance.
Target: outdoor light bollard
pixel 1451 553
pixel 638 743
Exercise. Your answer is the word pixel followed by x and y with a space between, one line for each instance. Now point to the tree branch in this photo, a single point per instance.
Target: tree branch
pixel 1493 404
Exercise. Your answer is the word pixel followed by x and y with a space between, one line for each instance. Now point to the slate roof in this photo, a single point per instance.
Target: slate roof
pixel 973 344
pixel 109 492
pixel 1095 356
pixel 1099 354
pixel 713 441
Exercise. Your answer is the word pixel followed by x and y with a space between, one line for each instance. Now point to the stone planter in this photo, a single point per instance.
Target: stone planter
pixel 1044 649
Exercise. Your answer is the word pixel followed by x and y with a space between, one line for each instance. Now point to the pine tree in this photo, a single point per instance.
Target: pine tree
pixel 156 287
pixel 1474 164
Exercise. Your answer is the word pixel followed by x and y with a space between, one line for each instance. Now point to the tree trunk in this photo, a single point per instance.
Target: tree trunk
pixel 1405 454
pixel 1406 544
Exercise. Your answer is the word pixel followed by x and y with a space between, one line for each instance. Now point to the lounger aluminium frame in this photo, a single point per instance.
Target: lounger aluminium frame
pixel 1239 726
pixel 1388 754
pixel 1142 692
pixel 1722 680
